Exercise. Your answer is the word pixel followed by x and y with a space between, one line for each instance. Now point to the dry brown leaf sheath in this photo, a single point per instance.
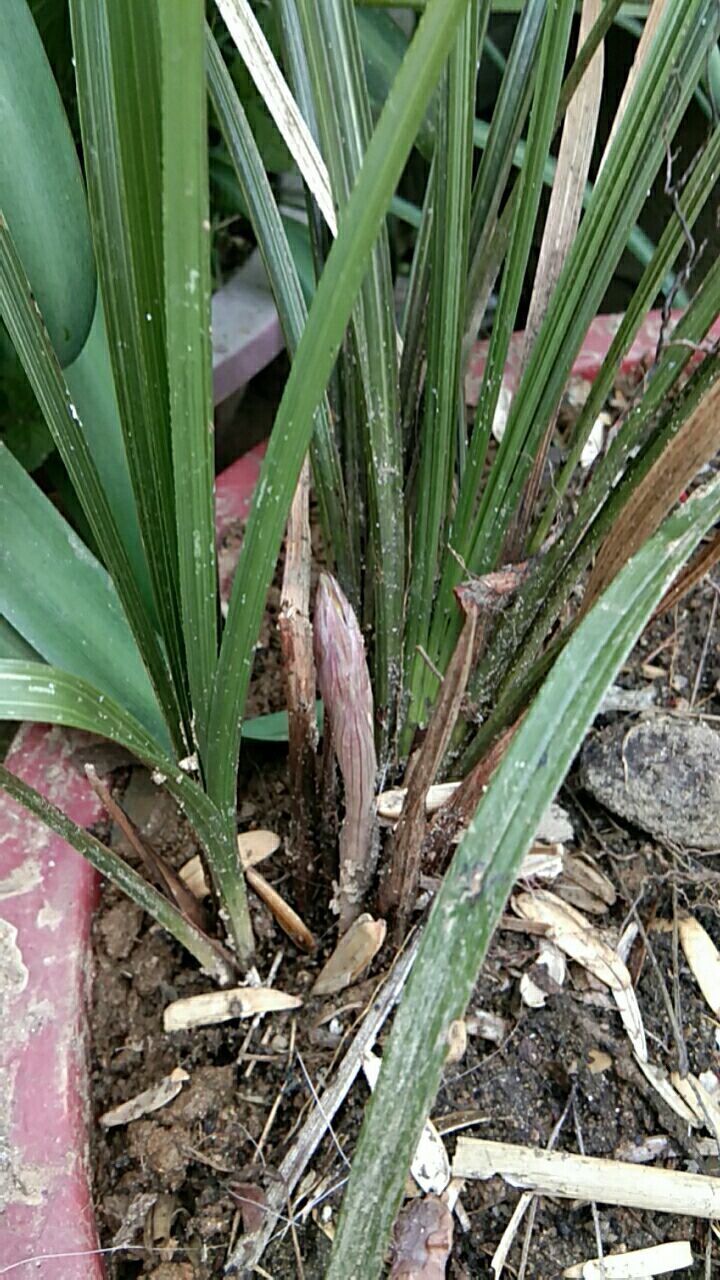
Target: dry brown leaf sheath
pixel 695 443
pixel 296 644
pixel 344 683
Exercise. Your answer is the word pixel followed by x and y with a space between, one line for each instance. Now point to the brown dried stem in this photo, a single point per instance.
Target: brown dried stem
pixel 399 890
pixel 456 814
pixel 159 871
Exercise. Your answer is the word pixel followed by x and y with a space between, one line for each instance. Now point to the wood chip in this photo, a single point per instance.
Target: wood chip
pixel 389 804
pixel 457 1041
pixel 256 846
pixel 351 956
pixel 152 1099
pixel 223 1006
pixel 543 862
pixel 703 958
pixel 555 825
pixel 487 1025
pixel 574 1177
pixel 430 1165
pixel 288 919
pixel 700 1101
pixel 570 931
pixel 193 875
pixel 660 1081
pixel 658 1260
pixel 582 872
pixel 545 977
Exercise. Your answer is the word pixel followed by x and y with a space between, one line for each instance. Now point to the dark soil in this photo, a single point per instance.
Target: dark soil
pixel 175 1184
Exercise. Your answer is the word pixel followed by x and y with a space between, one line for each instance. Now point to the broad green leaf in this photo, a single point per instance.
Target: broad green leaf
pixel 43 200
pixel 13 645
pixel 384 45
pixel 473 894
pixel 62 601
pixel 26 328
pixel 329 314
pixel 41 189
pixel 274 727
pixel 186 243
pixel 116 49
pixel 90 383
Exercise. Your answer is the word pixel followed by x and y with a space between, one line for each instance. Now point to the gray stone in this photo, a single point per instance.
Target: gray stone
pixel 662 774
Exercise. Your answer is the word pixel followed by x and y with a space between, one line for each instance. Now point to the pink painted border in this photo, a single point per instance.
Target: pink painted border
pixel 594 349
pixel 47 922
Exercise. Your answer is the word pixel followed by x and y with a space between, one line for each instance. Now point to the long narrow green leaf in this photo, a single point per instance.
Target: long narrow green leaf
pixel 508 118
pixel 31 691
pixel 480 878
pixel 567 571
pixel 118 872
pixel 344 119
pixel 384 45
pixel 32 343
pixel 444 401
pixel 310 372
pixel 660 95
pixel 631 8
pixel 116 48
pixel 186 243
pixel 524 626
pixel 553 51
pixel 287 290
pixel 548 80
pixel 61 600
pixel 414 322
pixel 693 199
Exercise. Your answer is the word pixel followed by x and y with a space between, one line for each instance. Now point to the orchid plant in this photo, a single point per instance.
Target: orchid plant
pixel 458 541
